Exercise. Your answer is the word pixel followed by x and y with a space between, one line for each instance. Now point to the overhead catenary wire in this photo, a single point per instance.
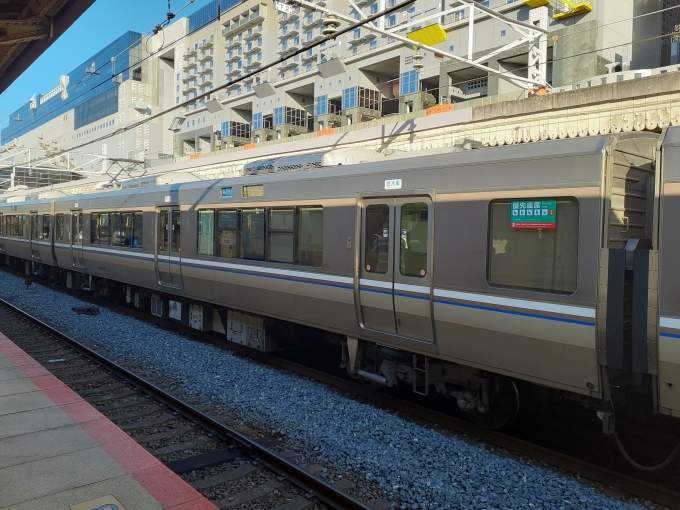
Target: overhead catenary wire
pixel 98 69
pixel 342 31
pixel 517 69
pixel 192 101
pixel 143 121
pixel 215 18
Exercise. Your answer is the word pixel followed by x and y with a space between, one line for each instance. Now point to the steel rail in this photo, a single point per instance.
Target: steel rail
pixel 631 485
pixel 316 487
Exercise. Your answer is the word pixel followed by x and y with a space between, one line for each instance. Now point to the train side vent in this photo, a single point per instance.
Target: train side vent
pixel 336 157
pixel 259 167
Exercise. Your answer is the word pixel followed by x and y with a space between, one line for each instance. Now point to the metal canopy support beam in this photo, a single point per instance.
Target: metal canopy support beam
pixel 538 51
pixel 134 166
pixel 516 80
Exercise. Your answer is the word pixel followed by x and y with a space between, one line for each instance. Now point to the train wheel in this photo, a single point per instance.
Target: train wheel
pixel 503 407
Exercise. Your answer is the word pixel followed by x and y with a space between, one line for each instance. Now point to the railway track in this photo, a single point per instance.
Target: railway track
pixel 609 478
pixel 215 458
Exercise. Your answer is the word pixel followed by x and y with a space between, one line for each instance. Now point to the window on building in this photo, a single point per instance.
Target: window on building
pixel 278 116
pixel 408 83
pixel 321 105
pixel 529 257
pixel 257 121
pixel 349 98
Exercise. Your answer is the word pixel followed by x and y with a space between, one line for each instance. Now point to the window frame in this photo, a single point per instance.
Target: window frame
pixel 47 222
pixel 59 233
pixel 295 231
pixel 489 247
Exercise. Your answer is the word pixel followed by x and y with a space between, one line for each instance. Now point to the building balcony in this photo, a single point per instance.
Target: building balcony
pixel 233 58
pixel 141 106
pixel 362 36
pixel 206 83
pixel 188 77
pixel 312 20
pixel 205 45
pixel 189 90
pixel 253 18
pixel 252 33
pixel 188 66
pixel 252 65
pixel 287 18
pixel 308 58
pixel 205 70
pixel 233 73
pixel 252 51
pixel 288 65
pixel 190 52
pixel 290 31
pixel 364 2
pixel 206 57
pixel 233 43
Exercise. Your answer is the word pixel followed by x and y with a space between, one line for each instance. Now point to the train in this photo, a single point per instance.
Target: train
pixel 458 271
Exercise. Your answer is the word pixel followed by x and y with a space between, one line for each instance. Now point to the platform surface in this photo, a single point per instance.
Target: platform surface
pixel 57 452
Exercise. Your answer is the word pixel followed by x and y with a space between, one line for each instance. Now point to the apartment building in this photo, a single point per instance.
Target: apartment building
pixel 219 51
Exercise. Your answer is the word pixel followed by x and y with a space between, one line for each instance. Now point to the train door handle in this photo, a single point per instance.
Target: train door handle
pixel 626 221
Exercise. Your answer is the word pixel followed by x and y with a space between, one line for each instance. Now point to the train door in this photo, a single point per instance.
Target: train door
pixel 395 283
pixel 168 259
pixel 35 236
pixel 77 238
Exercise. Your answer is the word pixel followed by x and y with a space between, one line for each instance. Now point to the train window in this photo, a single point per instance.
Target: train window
pixel 252 234
pixel 176 234
pixel 116 234
pixel 59 227
pixel 24 226
pixel 10 225
pixel 47 224
pixel 2 225
pixel 413 242
pixel 310 243
pixel 94 228
pixel 103 229
pixel 227 234
pixel 138 229
pixel 35 232
pixel 77 227
pixel 163 227
pixel 281 235
pixel 206 232
pixel 376 243
pixel 126 220
pixel 256 190
pixel 533 258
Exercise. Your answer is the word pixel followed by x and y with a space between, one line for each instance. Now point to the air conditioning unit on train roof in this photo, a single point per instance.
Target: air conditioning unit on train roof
pixel 160 180
pixel 336 157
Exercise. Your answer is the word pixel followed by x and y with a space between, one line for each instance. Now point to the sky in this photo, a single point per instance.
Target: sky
pixel 100 25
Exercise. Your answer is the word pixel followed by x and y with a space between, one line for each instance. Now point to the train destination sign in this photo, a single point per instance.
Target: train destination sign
pixel 533 214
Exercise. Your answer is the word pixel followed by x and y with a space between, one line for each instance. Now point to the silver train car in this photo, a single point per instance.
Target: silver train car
pixel 458 272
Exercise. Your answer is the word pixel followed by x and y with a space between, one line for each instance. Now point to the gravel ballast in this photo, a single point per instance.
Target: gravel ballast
pixel 415 467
